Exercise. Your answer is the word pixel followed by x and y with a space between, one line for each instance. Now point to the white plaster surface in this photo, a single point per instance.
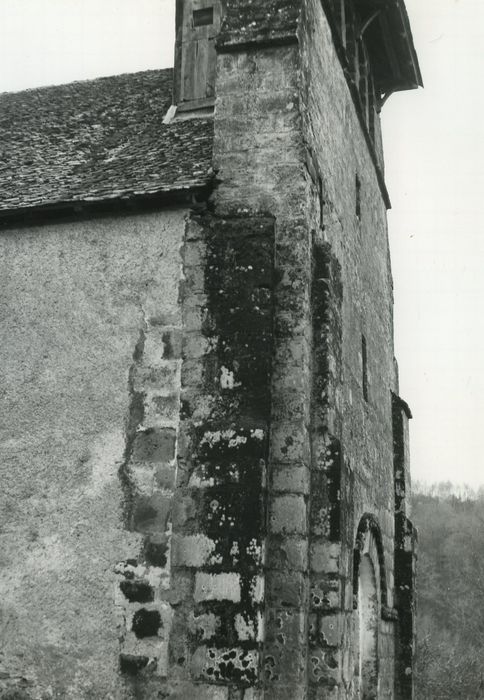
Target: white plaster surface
pixel 74 299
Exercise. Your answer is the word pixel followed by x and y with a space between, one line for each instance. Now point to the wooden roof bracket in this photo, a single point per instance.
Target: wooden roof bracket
pixel 368 22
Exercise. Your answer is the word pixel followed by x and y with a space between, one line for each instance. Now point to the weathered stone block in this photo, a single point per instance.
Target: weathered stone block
pixel 294 351
pixel 331 629
pixel 195 307
pixel 194 251
pixel 142 479
pixel 324 557
pixel 186 691
pixel 165 476
pixel 132 664
pixel 146 623
pixel 288 514
pixel 287 588
pixel 217 587
pixel 191 550
pixel 285 692
pixel 290 441
pixel 184 512
pixel 287 554
pixel 165 378
pixel 323 692
pixel 236 665
pixel 249 627
pixel 137 591
pixel 253 694
pixel 154 445
pixel 157 341
pixel 287 323
pixel 161 410
pixel 294 479
pixel 290 405
pixel 285 648
pixel 239 510
pixel 257 589
pixel 291 379
pixel 156 549
pixel 195 346
pixel 325 593
pixel 151 513
pixel 204 626
pixel 324 668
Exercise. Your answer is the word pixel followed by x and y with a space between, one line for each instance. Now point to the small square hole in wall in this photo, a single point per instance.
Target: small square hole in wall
pixel 364 367
pixel 358 198
pixel 203 17
pixel 321 202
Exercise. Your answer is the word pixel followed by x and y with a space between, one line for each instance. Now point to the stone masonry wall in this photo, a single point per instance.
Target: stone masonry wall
pixel 328 505
pixel 288 143
pixel 204 452
pixel 405 553
pixel 259 156
pixel 219 516
pixel 350 221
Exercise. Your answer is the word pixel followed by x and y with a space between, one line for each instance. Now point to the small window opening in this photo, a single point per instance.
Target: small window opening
pixel 203 17
pixel 364 363
pixel 321 202
pixel 358 198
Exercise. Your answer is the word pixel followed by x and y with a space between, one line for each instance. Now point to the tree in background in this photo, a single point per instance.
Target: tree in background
pixel 450 585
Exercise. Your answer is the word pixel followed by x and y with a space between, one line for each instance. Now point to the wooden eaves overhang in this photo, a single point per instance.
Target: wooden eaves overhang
pixel 379 32
pixel 390 45
pixel 385 29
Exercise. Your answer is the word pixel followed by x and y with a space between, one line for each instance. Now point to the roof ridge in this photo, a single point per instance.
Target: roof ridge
pixel 85 81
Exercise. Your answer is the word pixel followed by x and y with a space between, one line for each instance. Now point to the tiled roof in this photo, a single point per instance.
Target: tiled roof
pixel 97 140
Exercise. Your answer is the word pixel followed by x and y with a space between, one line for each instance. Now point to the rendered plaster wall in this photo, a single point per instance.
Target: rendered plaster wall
pixel 90 323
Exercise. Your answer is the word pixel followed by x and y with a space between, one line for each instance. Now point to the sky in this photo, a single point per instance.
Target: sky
pixel 434 147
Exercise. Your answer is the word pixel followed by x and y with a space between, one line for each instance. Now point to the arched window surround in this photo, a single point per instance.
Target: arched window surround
pixel 369 602
pixel 369 524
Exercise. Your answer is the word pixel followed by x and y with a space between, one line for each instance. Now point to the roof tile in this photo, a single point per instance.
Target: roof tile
pixel 98 139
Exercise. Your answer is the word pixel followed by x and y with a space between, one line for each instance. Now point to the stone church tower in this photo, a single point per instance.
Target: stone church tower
pixel 252 519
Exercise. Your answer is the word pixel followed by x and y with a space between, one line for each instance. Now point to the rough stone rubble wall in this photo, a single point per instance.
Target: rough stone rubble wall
pixel 329 494
pixel 354 233
pixel 405 553
pixel 148 477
